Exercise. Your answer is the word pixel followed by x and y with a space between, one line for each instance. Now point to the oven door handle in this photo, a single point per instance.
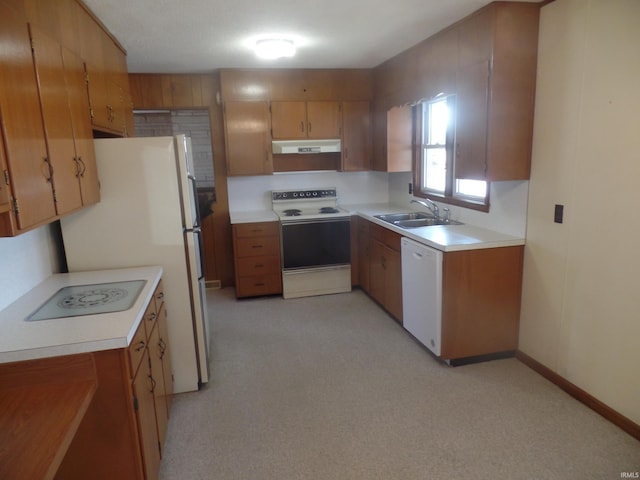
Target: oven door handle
pixel 315 220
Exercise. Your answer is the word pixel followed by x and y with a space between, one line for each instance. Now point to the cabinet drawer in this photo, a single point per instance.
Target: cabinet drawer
pixel 259 285
pixel 258 246
pixel 251 266
pixel 137 348
pixel 261 229
pixel 390 238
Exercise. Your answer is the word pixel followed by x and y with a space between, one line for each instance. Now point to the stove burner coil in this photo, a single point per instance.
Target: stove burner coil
pixel 329 210
pixel 292 212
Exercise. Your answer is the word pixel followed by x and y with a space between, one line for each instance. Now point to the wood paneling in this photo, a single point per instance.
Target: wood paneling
pixel 296 85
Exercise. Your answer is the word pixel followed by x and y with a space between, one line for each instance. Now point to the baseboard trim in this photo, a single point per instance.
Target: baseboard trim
pixel 576 392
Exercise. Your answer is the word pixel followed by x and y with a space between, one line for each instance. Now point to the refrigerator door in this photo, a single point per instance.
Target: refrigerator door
pixel 139 221
pixel 199 301
pixel 187 182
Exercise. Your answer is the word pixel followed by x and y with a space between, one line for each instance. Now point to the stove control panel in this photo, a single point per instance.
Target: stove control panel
pixel 322 193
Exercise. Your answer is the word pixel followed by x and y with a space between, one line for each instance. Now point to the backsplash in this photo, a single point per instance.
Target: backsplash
pixel 26 261
pixel 253 193
pixel 507 212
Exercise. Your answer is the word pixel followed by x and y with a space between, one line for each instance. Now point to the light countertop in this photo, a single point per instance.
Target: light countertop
pixel 447 238
pixel 27 340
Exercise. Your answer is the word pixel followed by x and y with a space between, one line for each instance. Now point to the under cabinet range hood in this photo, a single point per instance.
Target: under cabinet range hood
pixel 306 146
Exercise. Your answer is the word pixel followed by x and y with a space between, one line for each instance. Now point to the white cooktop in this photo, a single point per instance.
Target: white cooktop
pixel 66 335
pixel 93 299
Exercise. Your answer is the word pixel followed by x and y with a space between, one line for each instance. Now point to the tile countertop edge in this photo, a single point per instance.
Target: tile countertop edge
pixel 12 317
pixel 447 238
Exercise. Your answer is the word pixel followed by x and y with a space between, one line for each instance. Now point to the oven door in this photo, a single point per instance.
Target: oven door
pixel 316 243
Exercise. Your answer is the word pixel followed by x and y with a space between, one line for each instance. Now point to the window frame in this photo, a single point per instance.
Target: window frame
pixel 449 195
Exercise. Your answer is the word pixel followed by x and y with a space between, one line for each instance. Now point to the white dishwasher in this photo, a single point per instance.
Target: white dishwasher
pixel 422 292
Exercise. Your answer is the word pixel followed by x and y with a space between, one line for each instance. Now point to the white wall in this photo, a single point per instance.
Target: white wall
pixel 25 261
pixel 253 193
pixel 581 298
pixel 507 212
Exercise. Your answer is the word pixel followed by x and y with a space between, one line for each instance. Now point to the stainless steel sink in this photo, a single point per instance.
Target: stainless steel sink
pixel 414 220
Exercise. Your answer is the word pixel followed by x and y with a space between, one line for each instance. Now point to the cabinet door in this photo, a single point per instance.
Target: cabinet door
pixel 377 270
pixel 98 96
pixel 393 283
pixel 399 139
pixel 5 198
pixel 22 124
pixel 146 417
pixel 57 121
pixel 289 120
pixel 158 385
pixel 324 120
pixel 247 134
pixel 356 135
pixel 471 121
pixel 81 121
pixel 363 254
pixel 165 355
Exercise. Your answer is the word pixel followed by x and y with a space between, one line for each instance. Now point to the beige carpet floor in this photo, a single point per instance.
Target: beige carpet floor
pixel 332 388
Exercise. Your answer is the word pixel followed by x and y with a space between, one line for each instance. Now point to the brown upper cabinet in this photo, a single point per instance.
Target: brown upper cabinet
pixel 108 86
pixel 488 60
pixel 67 128
pixel 48 163
pixel 294 120
pixel 356 136
pixel 248 144
pixel 496 77
pixel 28 170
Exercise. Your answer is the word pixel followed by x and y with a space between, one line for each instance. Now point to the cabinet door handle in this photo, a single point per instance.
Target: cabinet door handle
pixel 309 127
pixel 302 126
pixel 140 346
pixel 256 246
pixel 153 384
pixel 49 169
pixel 84 167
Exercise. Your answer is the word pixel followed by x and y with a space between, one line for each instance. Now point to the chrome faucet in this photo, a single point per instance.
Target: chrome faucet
pixel 431 206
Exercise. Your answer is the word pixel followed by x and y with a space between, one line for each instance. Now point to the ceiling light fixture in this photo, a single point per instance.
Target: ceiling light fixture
pixel 272 48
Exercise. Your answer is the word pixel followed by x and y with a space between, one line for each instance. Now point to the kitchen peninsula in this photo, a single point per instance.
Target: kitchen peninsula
pixel 113 368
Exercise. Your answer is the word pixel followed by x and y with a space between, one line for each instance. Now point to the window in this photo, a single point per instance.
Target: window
pixel 434 169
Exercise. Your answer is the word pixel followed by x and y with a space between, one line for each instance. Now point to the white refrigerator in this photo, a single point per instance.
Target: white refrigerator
pixel 148 215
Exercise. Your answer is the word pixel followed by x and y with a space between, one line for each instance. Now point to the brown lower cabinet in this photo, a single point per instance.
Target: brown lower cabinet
pixel 480 291
pixel 381 266
pixel 257 258
pixel 122 434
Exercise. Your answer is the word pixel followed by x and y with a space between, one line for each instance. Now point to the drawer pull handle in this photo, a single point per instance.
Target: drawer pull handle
pixel 152 317
pixel 258 284
pixel 257 246
pixel 140 346
pixel 259 265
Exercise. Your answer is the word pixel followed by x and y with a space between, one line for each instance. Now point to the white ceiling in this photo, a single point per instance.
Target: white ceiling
pixel 198 36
